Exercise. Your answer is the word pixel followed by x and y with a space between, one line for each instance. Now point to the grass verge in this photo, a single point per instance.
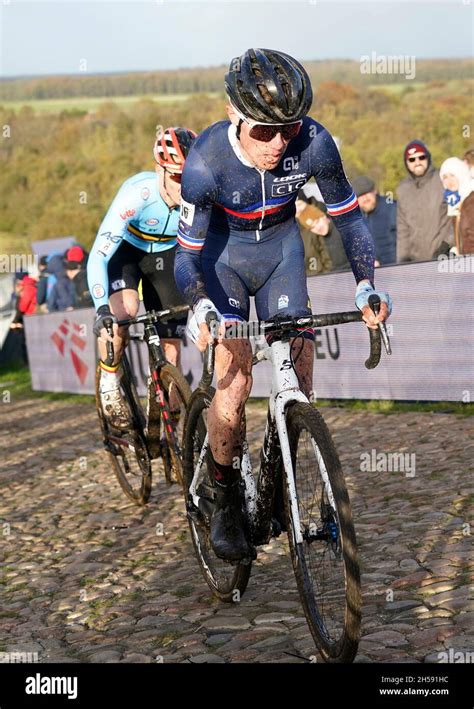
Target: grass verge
pixel 17 381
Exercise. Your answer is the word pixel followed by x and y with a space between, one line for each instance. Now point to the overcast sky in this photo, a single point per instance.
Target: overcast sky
pixel 113 35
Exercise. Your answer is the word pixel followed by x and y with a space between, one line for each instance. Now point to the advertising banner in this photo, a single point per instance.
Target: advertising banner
pixel 431 331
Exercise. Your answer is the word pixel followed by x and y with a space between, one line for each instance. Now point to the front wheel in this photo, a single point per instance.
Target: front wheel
pixel 325 555
pixel 226 581
pixel 128 450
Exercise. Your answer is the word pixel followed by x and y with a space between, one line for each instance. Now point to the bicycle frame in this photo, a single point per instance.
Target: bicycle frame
pixel 285 389
pixel 156 401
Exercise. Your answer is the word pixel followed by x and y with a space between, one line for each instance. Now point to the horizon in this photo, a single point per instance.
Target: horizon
pixel 81 75
pixel 44 38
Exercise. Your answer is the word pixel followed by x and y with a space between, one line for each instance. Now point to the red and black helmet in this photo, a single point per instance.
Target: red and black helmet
pixel 172 147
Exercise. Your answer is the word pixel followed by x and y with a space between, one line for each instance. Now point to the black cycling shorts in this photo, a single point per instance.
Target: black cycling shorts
pixel 129 264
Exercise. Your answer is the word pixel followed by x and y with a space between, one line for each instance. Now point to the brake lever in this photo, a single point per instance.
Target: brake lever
pixel 374 302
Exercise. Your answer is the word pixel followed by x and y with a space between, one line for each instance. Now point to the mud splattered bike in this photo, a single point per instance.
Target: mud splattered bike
pixel 300 488
pixel 155 422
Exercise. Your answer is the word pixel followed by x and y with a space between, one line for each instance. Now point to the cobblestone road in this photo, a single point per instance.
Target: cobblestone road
pixel 86 578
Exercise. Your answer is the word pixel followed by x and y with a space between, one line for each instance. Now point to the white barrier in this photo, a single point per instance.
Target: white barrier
pixel 62 351
pixel 432 337
pixel 431 329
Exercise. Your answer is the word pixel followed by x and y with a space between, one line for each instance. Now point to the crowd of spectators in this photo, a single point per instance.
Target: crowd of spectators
pixel 432 214
pixel 60 285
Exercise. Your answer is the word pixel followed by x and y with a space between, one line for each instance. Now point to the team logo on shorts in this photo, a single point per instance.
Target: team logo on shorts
pixel 283 301
pixel 152 222
pixel 180 330
pixel 234 303
pixel 98 291
pixel 117 285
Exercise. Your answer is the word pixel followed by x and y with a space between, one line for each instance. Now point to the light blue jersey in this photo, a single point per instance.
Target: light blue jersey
pixel 138 215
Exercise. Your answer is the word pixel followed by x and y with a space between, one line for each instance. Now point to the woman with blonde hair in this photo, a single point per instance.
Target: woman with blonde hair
pixel 459 194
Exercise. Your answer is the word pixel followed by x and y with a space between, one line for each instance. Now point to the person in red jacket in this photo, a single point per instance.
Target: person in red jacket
pixel 25 290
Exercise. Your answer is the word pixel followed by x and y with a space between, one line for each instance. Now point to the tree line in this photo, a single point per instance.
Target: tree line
pixel 61 171
pixel 210 79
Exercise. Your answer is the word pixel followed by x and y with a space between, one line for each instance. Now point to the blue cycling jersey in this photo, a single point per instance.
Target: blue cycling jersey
pixel 223 196
pixel 138 215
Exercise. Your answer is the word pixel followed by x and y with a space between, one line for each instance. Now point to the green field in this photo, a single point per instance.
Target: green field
pixel 435 89
pixel 90 104
pixel 398 88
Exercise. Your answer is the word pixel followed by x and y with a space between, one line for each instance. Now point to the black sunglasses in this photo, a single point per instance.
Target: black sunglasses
pixel 418 157
pixel 265 133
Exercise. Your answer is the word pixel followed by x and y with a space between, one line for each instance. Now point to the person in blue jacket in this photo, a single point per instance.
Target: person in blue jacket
pixel 381 217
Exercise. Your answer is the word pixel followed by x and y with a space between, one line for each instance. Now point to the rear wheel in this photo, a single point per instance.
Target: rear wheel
pixel 226 581
pixel 325 560
pixel 127 450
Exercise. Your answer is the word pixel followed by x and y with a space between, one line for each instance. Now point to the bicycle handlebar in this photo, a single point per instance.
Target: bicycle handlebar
pixel 155 316
pixel 148 318
pixel 281 325
pixel 376 336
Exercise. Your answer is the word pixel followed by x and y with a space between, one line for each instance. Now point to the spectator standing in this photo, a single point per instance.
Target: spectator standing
pixel 25 289
pixel 324 250
pixel 459 192
pixel 42 288
pixel 381 218
pixel 76 269
pixel 63 295
pixel 316 255
pixel 468 158
pixel 423 228
pixel 55 270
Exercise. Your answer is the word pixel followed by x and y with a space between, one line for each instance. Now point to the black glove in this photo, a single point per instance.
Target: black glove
pixel 104 316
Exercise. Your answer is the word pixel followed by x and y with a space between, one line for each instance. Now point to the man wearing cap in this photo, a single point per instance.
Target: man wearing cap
pixel 323 246
pixel 381 218
pixel 423 227
pixel 63 295
pixel 76 269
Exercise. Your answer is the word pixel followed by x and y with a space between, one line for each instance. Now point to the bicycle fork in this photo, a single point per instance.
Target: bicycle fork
pixel 285 383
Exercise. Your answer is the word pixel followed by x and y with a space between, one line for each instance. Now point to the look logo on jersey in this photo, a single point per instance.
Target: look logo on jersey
pixel 289 184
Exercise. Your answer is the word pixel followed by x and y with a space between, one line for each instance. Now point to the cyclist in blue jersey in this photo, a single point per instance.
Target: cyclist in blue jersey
pixel 136 241
pixel 238 237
